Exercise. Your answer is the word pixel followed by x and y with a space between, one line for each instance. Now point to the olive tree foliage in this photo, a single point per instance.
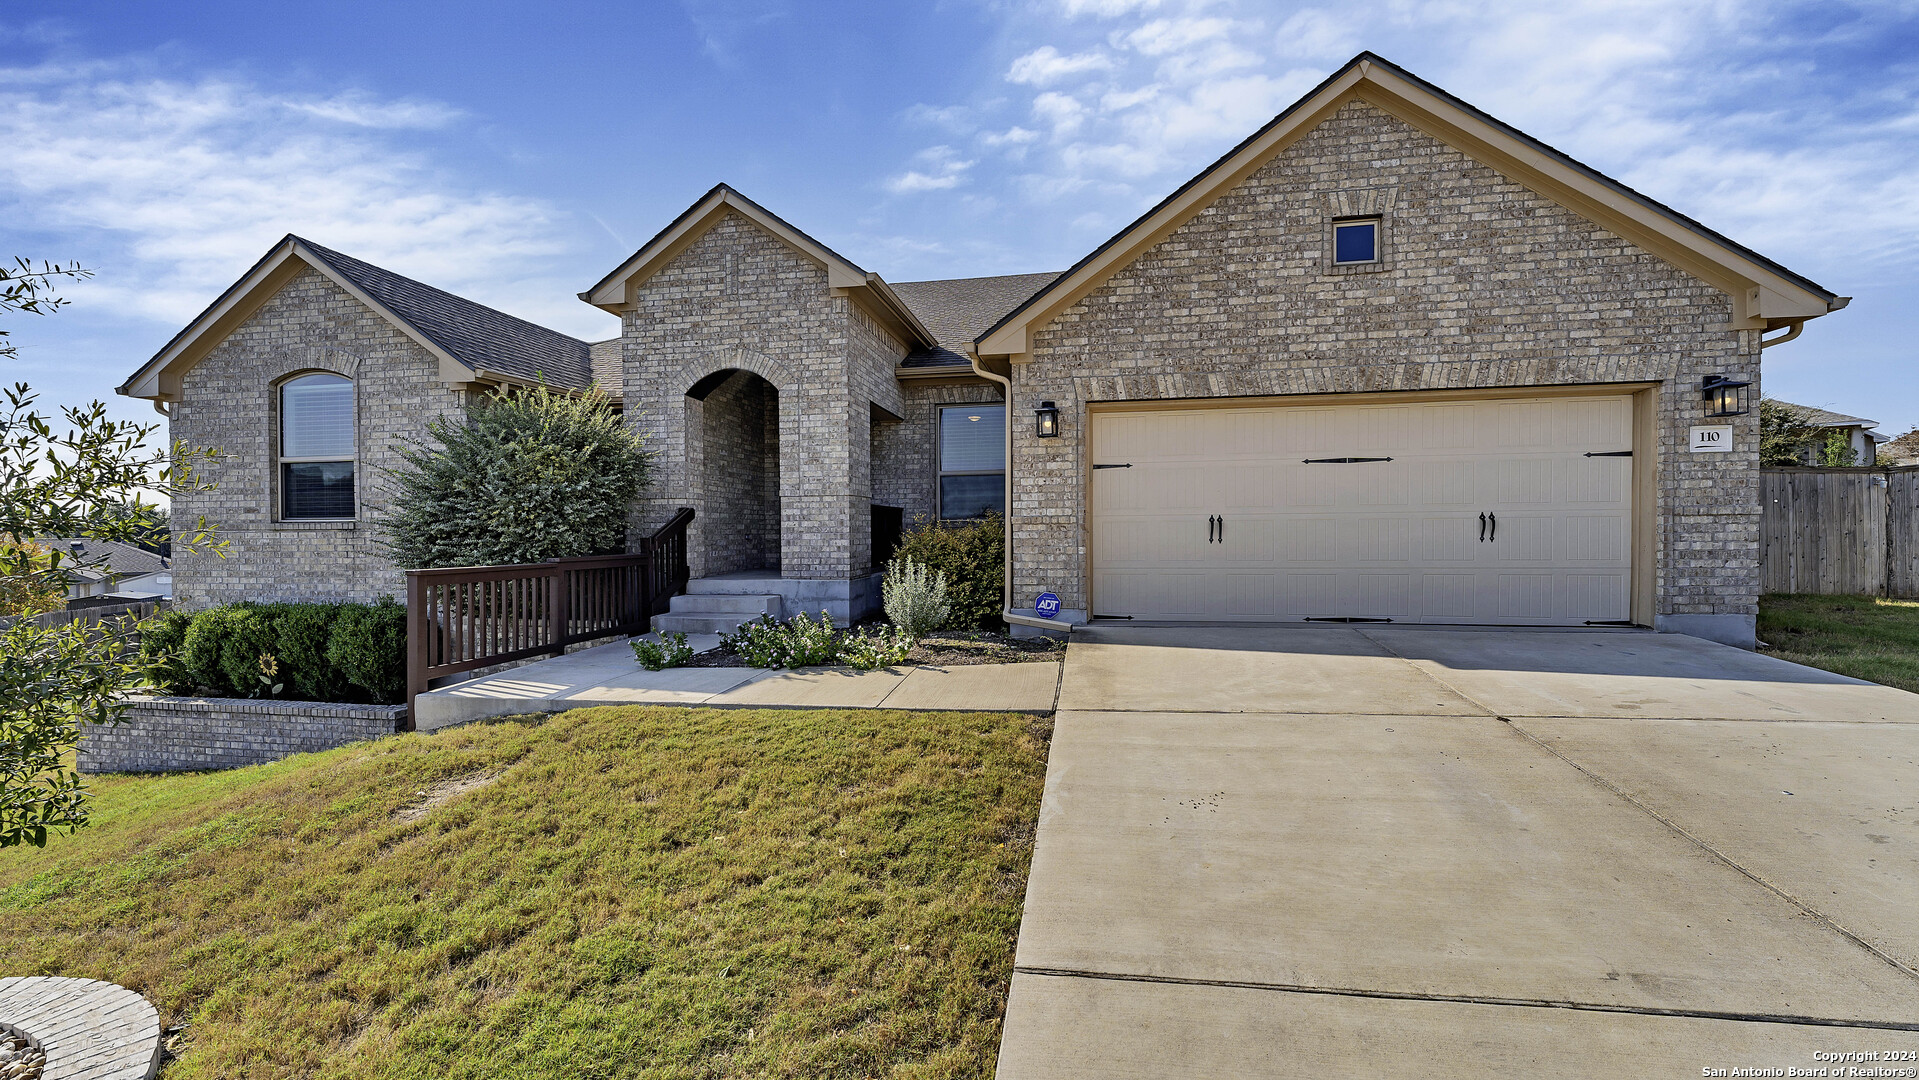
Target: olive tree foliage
pixel 524 476
pixel 1784 435
pixel 69 473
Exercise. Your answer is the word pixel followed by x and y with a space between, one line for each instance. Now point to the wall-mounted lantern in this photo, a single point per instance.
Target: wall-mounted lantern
pixel 1724 397
pixel 1047 416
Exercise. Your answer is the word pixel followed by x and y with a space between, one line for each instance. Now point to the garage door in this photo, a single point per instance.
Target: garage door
pixel 1510 511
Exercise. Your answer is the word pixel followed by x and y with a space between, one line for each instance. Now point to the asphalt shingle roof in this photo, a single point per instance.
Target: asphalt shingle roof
pixel 960 309
pixel 110 555
pixel 476 335
pixel 609 367
pixel 1825 417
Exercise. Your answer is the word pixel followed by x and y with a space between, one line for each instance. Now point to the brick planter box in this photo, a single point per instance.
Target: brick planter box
pixel 172 734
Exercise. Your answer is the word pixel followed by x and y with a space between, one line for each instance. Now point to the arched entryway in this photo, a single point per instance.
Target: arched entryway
pixel 739 472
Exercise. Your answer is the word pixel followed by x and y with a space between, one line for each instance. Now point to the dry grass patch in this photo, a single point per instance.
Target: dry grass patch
pixel 612 892
pixel 1866 637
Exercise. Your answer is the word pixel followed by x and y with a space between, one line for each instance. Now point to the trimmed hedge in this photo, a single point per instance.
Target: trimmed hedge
pixel 353 653
pixel 972 555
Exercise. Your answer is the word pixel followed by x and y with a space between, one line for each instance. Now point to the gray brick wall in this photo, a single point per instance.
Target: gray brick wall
pixel 740 466
pixel 1485 284
pixel 906 454
pixel 739 298
pixel 231 401
pixel 175 734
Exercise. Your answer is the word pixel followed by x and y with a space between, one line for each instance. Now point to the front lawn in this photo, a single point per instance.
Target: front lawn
pixel 1866 637
pixel 607 893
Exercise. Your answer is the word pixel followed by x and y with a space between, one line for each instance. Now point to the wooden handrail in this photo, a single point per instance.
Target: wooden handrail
pixel 464 617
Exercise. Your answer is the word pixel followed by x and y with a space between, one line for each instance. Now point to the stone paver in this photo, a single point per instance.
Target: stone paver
pixel 89 1030
pixel 1395 886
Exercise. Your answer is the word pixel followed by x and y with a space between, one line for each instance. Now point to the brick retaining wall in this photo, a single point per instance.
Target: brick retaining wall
pixel 166 734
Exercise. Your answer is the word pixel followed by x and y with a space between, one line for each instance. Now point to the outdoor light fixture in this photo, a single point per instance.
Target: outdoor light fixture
pixel 1723 397
pixel 1048 415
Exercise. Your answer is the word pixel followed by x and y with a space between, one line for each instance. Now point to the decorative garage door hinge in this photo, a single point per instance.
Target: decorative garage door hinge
pixel 1128 465
pixel 1609 453
pixel 1340 460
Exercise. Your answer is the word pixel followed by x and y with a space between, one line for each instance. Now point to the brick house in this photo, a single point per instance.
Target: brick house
pixel 1387 359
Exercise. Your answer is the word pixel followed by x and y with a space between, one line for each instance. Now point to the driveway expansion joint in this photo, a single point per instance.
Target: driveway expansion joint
pixel 1473 999
pixel 1756 878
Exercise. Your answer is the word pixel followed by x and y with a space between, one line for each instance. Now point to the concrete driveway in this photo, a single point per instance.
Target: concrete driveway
pixel 1420 852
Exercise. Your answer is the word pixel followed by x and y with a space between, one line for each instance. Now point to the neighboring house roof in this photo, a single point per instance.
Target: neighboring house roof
pixel 959 309
pixel 473 342
pixel 1765 294
pixel 874 296
pixel 1825 417
pixel 100 558
pixel 609 367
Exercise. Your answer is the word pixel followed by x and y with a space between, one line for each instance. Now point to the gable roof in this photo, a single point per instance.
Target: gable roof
pixel 958 309
pixel 1765 294
pixel 473 342
pixel 102 557
pixel 1825 417
pixel 614 291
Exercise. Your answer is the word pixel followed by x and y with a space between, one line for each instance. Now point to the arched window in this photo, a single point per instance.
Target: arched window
pixel 316 447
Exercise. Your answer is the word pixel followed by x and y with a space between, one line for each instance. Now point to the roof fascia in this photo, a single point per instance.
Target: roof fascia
pixel 615 291
pixel 160 378
pixel 877 299
pixel 1763 297
pixel 1011 337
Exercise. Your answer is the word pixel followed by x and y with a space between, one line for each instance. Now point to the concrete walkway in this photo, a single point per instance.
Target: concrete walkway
pixel 1270 852
pixel 609 675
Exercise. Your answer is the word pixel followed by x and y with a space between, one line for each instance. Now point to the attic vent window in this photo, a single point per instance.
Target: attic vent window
pixel 1355 241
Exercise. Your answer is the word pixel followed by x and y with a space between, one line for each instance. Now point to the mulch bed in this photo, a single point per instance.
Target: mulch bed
pixel 940 650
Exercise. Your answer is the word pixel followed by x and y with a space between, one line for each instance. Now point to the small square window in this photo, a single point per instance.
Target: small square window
pixel 1355 241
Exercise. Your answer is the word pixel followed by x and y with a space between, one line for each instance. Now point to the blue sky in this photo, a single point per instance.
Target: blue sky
pixel 515 152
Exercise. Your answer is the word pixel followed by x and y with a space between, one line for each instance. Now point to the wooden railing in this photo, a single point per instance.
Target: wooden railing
pixel 468 617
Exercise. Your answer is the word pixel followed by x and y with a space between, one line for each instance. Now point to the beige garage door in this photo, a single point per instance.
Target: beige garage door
pixel 1510 511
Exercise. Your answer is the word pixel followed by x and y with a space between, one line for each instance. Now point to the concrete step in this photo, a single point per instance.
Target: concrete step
pixel 700 623
pixel 751 605
pixel 736 585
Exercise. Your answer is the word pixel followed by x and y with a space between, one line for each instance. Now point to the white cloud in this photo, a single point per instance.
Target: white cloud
pixel 182 184
pixel 937 169
pixel 1045 66
pixel 1315 34
pixel 1162 36
pixel 1061 113
pixel 1106 8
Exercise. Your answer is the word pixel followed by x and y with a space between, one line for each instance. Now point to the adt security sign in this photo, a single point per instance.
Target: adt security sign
pixel 1047 606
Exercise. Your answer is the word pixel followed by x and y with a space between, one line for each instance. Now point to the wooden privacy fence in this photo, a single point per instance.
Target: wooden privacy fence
pixel 1840 530
pixel 468 617
pixel 95 613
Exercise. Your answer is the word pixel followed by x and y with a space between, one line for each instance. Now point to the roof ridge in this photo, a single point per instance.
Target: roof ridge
pixel 330 254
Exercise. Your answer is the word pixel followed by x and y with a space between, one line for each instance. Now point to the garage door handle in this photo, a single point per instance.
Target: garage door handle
pixel 1222 528
pixel 1211 524
pixel 1494 535
pixel 1482 526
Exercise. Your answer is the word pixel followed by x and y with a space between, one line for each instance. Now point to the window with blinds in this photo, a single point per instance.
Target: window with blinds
pixel 316 447
pixel 972 452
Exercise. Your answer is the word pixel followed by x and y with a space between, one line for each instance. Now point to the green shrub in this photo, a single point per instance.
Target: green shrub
pixel 768 643
pixel 915 597
pixel 522 477
pixel 671 650
pixel 368 646
pixel 222 649
pixel 972 556
pixel 302 632
pixel 875 647
pixel 163 640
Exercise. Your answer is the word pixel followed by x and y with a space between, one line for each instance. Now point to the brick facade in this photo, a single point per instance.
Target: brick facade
pixel 1484 284
pixel 173 734
pixel 737 298
pixel 740 475
pixel 230 400
pixel 906 454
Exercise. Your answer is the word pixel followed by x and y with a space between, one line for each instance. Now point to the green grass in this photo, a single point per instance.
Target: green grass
pixel 1866 637
pixel 637 892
